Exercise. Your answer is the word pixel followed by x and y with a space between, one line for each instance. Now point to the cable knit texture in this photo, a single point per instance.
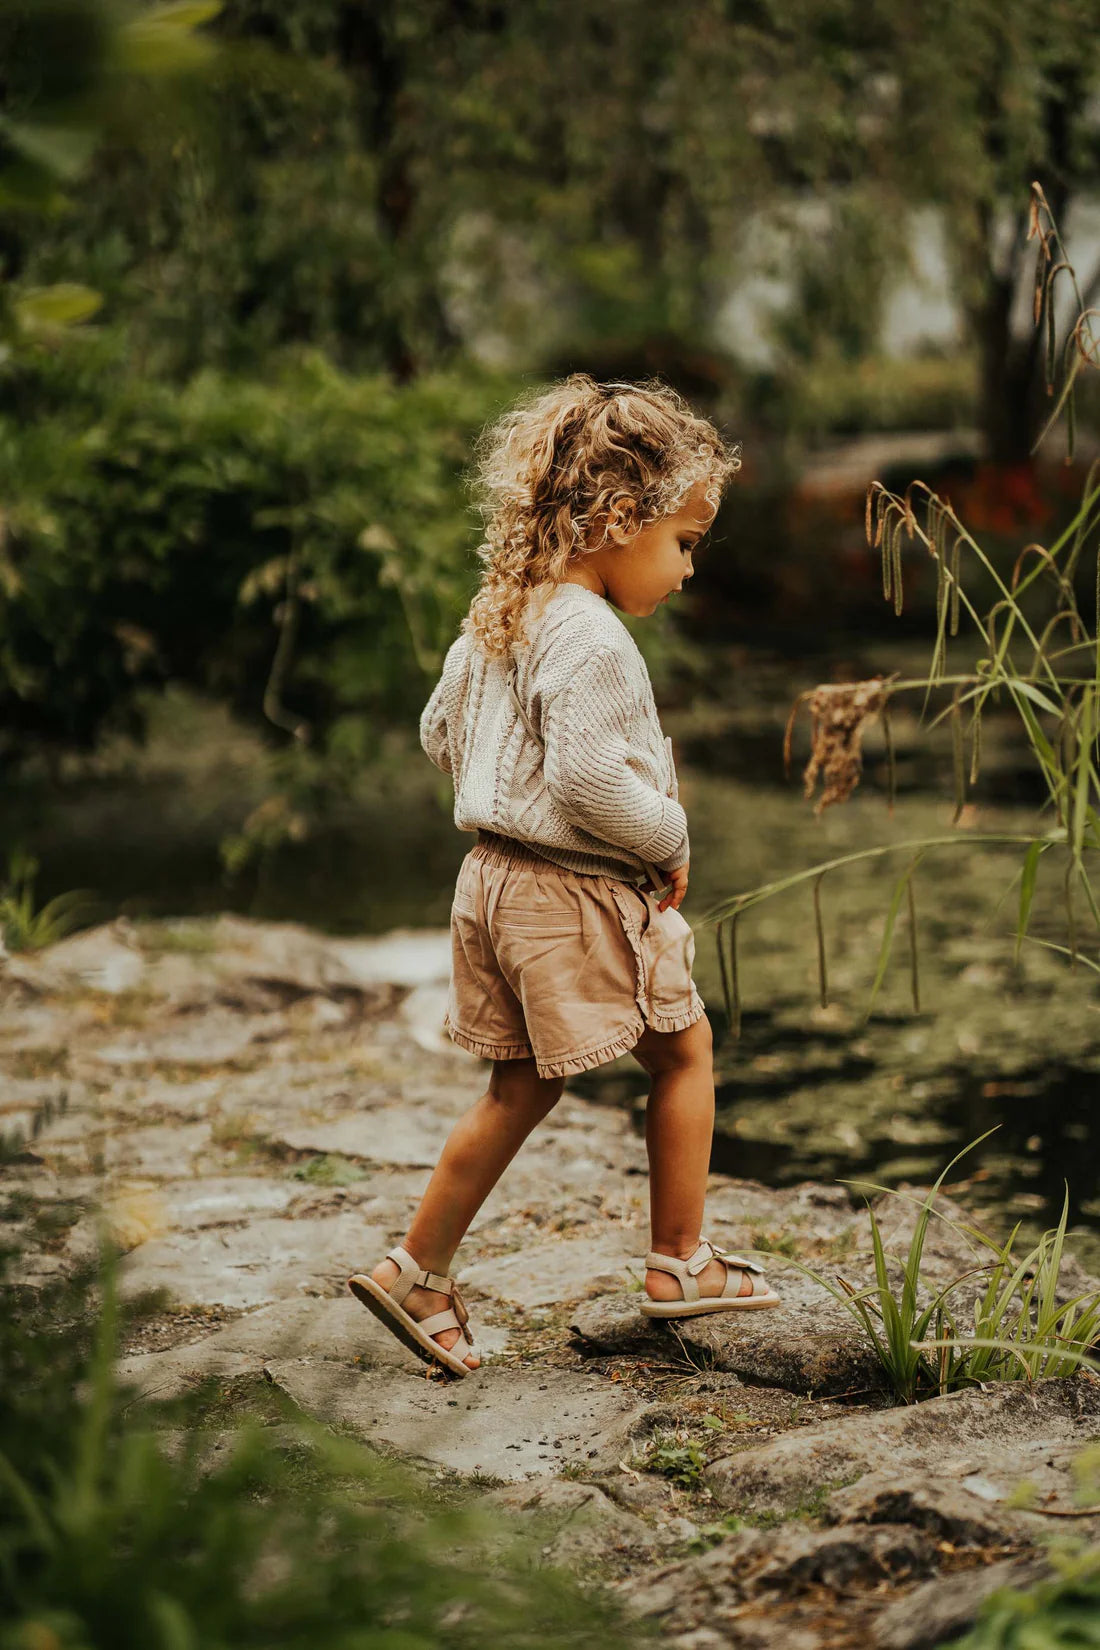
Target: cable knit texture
pixel 599 794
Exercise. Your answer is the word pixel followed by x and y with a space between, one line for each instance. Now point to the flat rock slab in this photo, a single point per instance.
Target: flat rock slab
pixel 808 1345
pixel 106 959
pixel 764 1588
pixel 266 1260
pixel 406 956
pixel 575 1523
pixel 541 1274
pixel 317 1329
pixel 155 1150
pixel 138 1211
pixel 217 1037
pixel 411 1139
pixel 969 1508
pixel 231 951
pixel 505 1422
pixel 283 954
pixel 971 1437
pixel 737 1208
pixel 936 1612
pixel 422 1014
pixel 151 1095
pixel 87 1141
pixel 211 1200
pixel 288 1330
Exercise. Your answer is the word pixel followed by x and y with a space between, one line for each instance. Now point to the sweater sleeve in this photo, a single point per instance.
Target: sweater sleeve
pixel 589 772
pixel 433 729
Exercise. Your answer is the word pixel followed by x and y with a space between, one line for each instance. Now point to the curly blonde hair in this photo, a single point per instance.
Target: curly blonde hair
pixel 566 463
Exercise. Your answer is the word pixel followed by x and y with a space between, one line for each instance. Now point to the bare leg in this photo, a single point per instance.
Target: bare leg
pixel 679 1126
pixel 478 1150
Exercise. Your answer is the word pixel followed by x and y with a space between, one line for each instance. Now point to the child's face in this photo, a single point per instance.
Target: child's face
pixel 641 570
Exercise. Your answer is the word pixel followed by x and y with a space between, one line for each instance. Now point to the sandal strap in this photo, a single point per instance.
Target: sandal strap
pixel 439 1321
pixel 738 1267
pixel 688 1270
pixel 412 1273
pixel 685 1270
pixel 740 1260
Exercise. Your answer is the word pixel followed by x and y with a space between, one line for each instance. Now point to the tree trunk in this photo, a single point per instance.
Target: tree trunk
pixel 1011 394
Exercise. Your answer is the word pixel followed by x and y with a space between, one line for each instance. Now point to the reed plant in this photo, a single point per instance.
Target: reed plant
pixel 1018 1326
pixel 1038 652
pixel 27 927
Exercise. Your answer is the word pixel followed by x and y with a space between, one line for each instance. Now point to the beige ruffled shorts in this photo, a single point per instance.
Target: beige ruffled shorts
pixel 566 967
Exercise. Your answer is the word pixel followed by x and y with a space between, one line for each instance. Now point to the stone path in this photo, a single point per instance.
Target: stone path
pixel 254 1109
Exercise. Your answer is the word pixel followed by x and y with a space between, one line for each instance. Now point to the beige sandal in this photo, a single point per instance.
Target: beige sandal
pixel 417 1335
pixel 693 1303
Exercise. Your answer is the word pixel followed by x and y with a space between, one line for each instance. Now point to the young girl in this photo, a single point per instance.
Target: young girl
pixel 568 945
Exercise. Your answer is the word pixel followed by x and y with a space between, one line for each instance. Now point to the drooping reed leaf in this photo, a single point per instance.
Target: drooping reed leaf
pixel 822 969
pixel 1084 772
pixel 891 758
pixel 914 961
pixel 1027 893
pixel 888 932
pixel 723 969
pixel 957 758
pixel 975 744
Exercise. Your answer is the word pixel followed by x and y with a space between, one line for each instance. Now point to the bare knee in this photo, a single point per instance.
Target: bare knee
pixel 517 1083
pixel 662 1051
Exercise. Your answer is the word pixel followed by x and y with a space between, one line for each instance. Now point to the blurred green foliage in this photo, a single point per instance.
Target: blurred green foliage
pixel 162 533
pixel 267 268
pixel 126 1523
pixel 25 926
pixel 1058 1614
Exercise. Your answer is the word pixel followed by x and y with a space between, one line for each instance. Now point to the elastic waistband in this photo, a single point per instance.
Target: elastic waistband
pixel 492 849
pixel 505 850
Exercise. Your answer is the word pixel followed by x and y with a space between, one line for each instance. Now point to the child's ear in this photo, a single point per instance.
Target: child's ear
pixel 621 521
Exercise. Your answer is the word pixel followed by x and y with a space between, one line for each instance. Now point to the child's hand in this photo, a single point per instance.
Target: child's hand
pixel 679 881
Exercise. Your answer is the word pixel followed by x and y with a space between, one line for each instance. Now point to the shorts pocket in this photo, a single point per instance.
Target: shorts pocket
pixel 664 950
pixel 536 902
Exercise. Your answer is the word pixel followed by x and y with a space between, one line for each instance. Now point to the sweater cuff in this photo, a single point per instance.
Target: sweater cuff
pixel 674 862
pixel 668 842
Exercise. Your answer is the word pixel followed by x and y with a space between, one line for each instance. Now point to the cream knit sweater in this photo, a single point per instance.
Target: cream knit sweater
pixel 598 794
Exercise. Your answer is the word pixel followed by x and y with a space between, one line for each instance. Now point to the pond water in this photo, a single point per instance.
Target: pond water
pixel 807 1091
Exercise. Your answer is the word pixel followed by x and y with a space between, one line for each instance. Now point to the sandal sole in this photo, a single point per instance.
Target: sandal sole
pixel 695 1309
pixel 404 1327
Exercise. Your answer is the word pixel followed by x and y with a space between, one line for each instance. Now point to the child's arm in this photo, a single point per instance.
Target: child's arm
pixel 589 772
pixel 433 729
